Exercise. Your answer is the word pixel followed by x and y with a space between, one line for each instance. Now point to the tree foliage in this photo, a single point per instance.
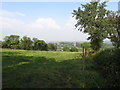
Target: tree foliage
pixel 85 46
pixel 39 44
pixel 70 49
pixel 92 19
pixel 107 64
pixel 114 34
pixel 11 41
pixel 26 43
pixel 73 49
pixel 66 49
pixel 52 47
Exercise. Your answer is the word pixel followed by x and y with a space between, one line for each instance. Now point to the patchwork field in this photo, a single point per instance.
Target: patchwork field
pixel 46 69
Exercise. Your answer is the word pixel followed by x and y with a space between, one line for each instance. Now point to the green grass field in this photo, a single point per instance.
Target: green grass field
pixel 46 69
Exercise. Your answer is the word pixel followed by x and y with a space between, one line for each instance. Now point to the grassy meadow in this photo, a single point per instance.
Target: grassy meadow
pixel 46 69
pixel 53 54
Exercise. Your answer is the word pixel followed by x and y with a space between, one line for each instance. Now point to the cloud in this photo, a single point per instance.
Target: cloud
pixel 10 23
pixel 44 24
pixel 20 14
pixel 5 13
pixel 11 26
pixel 69 32
pixel 42 28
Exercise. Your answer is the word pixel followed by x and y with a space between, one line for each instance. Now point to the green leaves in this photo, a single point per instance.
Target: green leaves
pixel 86 45
pixel 14 42
pixel 52 47
pixel 93 19
pixel 10 41
pixel 26 43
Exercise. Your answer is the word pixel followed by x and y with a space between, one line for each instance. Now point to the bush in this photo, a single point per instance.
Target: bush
pixel 52 47
pixel 73 49
pixel 66 49
pixel 107 64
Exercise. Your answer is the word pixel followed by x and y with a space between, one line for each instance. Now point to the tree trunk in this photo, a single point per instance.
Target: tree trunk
pixel 84 56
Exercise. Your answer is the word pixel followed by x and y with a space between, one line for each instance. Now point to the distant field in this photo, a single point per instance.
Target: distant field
pixel 57 55
pixel 45 69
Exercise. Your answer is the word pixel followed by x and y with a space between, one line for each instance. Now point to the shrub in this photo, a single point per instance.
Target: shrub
pixel 66 49
pixel 52 47
pixel 107 64
pixel 73 49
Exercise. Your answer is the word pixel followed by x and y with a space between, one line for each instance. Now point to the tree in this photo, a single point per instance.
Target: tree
pixel 66 49
pixel 52 47
pixel 35 44
pixel 114 34
pixel 11 41
pixel 93 19
pixel 26 43
pixel 39 44
pixel 85 47
pixel 4 44
pixel 73 49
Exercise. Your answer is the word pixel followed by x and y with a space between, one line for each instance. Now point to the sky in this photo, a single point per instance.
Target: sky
pixel 49 21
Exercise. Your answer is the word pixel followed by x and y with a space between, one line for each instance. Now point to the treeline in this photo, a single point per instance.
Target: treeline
pixel 26 43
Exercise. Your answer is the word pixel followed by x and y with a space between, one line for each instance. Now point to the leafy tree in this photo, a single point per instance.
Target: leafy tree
pixel 52 47
pixel 35 44
pixel 85 47
pixel 39 44
pixel 73 49
pixel 66 49
pixel 92 19
pixel 26 43
pixel 6 42
pixel 114 33
pixel 11 41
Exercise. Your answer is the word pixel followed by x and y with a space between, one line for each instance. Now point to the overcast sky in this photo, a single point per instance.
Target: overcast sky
pixel 49 21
